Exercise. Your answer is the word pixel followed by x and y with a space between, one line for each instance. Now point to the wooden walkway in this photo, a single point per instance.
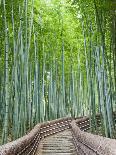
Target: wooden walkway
pixel 58 144
pixel 64 136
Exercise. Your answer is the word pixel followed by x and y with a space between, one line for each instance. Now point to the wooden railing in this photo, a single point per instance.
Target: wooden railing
pixel 89 144
pixel 27 145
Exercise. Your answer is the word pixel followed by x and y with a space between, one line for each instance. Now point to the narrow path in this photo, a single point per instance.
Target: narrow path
pixel 58 144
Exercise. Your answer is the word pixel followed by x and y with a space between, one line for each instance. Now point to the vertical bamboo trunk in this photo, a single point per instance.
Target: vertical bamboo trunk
pixel 5 129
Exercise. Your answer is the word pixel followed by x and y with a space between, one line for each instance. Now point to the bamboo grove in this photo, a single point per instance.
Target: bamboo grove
pixel 57 58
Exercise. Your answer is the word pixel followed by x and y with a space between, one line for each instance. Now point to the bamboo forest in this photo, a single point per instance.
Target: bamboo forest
pixel 57 59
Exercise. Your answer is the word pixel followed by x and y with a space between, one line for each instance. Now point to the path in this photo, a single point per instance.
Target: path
pixel 58 144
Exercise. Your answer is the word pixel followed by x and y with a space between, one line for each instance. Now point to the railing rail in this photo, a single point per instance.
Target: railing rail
pixel 27 145
pixel 18 146
pixel 89 144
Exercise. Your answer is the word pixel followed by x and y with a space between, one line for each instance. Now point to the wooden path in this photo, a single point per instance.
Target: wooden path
pixel 64 136
pixel 58 144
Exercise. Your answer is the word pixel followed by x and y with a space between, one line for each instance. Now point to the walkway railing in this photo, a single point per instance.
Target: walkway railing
pixel 89 144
